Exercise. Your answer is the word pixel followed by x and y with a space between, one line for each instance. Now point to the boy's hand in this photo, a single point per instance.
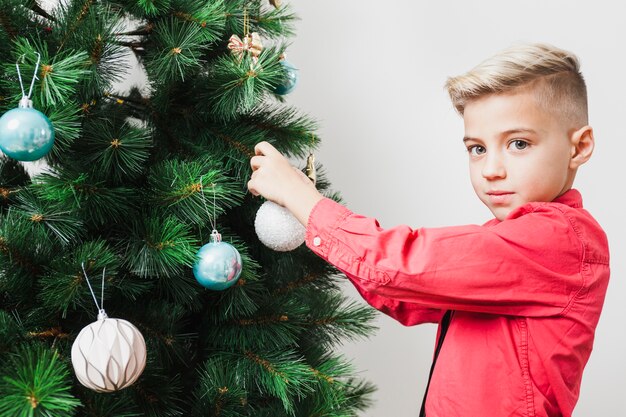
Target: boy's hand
pixel 274 178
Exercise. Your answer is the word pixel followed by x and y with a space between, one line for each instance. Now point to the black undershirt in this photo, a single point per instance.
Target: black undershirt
pixel 445 322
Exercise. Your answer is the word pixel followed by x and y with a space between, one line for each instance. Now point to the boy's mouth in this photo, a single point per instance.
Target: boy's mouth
pixel 499 197
pixel 498 192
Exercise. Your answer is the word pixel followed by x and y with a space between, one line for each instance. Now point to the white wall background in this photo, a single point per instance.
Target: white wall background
pixel 372 72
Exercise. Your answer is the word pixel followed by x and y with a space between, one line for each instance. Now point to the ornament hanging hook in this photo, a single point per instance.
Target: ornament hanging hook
pixel 246 22
pixel 101 313
pixel 19 75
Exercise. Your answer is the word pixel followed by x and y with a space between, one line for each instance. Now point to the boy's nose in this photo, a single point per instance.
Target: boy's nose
pixel 493 168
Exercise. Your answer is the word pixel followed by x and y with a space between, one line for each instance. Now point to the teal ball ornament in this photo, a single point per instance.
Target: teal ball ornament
pixel 26 134
pixel 218 264
pixel 289 82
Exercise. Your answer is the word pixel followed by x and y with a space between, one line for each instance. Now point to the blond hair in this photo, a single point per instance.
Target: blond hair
pixel 553 74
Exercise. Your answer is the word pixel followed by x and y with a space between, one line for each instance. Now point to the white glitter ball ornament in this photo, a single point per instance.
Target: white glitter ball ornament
pixel 277 228
pixel 109 354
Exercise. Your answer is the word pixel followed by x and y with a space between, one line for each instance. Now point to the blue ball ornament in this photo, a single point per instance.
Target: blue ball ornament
pixel 289 82
pixel 218 264
pixel 26 134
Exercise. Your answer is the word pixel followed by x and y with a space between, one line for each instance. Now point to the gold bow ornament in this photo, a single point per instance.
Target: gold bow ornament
pixel 251 43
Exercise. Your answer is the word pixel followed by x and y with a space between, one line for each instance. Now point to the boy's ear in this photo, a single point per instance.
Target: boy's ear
pixel 582 146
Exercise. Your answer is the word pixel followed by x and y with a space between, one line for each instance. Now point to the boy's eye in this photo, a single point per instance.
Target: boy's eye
pixel 476 150
pixel 519 144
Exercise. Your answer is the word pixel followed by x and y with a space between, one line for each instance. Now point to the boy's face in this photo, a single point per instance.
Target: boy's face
pixel 518 152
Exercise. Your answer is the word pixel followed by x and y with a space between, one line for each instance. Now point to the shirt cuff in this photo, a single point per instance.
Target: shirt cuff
pixel 323 220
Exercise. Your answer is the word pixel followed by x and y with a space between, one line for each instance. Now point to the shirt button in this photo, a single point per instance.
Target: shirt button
pixel 317 241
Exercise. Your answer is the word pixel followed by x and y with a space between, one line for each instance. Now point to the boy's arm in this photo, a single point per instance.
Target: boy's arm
pixel 409 314
pixel 529 265
pixel 301 203
pixel 275 179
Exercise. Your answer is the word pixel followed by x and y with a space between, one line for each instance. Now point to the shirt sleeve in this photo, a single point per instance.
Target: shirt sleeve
pixel 529 264
pixel 409 314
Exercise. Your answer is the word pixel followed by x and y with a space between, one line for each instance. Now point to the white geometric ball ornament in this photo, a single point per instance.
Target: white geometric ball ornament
pixel 109 354
pixel 277 228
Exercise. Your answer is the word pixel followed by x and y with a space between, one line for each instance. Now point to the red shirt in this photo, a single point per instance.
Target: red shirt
pixel 527 293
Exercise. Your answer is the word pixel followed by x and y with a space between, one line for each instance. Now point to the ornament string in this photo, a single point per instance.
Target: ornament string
pixel 215 236
pixel 101 313
pixel 250 43
pixel 32 83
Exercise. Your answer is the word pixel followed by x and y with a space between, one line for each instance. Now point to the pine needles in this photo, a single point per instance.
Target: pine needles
pixel 37 386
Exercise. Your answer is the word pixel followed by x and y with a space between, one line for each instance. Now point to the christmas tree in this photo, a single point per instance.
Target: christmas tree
pixel 136 181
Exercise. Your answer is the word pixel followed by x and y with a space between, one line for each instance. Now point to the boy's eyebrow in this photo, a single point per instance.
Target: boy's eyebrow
pixel 506 133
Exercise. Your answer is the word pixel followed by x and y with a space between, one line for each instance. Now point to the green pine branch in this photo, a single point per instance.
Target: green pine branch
pixel 64 288
pixel 220 391
pixel 237 85
pixel 280 374
pixel 159 247
pixel 209 16
pixel 195 192
pixel 49 222
pixel 12 177
pixel 115 149
pixel 59 74
pixel 135 180
pixel 339 319
pixel 176 51
pixel 35 382
pixel 90 200
pixel 67 127
pixel 267 21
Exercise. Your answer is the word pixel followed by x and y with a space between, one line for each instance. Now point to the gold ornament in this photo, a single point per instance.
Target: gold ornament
pixel 310 168
pixel 275 3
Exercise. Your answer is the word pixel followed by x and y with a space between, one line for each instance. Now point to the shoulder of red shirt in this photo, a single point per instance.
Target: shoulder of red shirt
pixel 570 198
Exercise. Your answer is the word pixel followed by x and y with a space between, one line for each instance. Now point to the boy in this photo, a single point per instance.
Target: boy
pixel 518 298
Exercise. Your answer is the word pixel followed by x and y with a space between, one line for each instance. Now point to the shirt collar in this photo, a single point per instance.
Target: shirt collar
pixel 570 198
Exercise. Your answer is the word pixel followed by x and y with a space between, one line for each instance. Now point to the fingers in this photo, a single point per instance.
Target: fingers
pixel 273 163
pixel 255 162
pixel 251 188
pixel 252 185
pixel 262 149
pixel 265 148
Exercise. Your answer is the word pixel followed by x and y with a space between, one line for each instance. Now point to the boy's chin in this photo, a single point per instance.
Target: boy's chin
pixel 500 213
